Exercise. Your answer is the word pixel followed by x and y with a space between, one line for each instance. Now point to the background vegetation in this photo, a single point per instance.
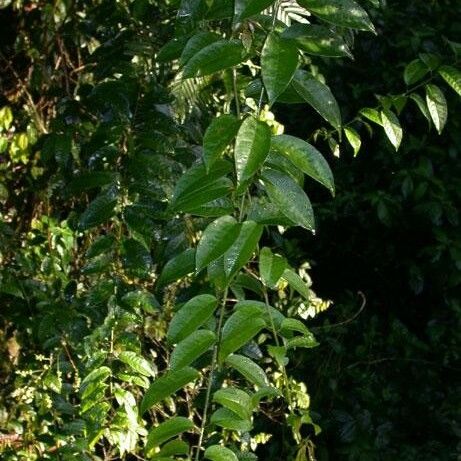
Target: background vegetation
pixel 96 129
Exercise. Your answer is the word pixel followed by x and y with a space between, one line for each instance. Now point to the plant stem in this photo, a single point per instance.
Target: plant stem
pixel 214 362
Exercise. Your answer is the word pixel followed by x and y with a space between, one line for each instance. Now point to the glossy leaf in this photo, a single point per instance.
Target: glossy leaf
pixel 191 316
pixel 289 197
pixel 191 348
pixel 166 385
pixel 100 210
pixel 392 127
pixel 251 148
pixel 371 114
pixel 345 13
pixel 218 136
pixel 227 419
pixel 271 267
pixel 422 106
pixel 167 430
pixel 296 282
pixel 242 248
pixel 305 157
pixel 437 105
pixel 306 342
pixel 291 325
pixel 235 400
pixel 178 267
pixel 279 60
pixel 219 453
pixel 216 240
pixel 196 43
pixel 319 96
pixel 215 57
pixel 414 71
pixel 317 40
pixel 137 363
pixel 354 139
pixel 452 76
pixel 246 8
pixel 248 369
pixel 240 328
pixel 172 448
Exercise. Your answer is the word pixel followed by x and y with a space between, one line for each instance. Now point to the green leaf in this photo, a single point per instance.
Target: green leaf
pixel 345 13
pixel 227 419
pixel 248 369
pixel 218 453
pixel 392 127
pixel 172 448
pixel 243 247
pixel 271 316
pixel 437 105
pixel 235 400
pixel 452 76
pixel 306 342
pixel 196 43
pixel 271 267
pixel 100 210
pixel 296 282
pixel 98 375
pixel 290 324
pixel 317 40
pixel 172 50
pixel 422 106
pixel 215 57
pixel 371 114
pixel 166 385
pixel 216 240
pixel 279 60
pixel 167 430
pixel 354 139
pixel 414 71
pixel 251 149
pixel 137 363
pixel 239 329
pixel 218 136
pixel 136 258
pixel 178 267
pixel 305 157
pixel 262 393
pixel 191 348
pixel 289 197
pixel 318 95
pixel 246 8
pixel 191 316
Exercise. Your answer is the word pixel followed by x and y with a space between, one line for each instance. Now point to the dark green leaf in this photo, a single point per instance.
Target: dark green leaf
pixel 249 369
pixel 167 430
pixel 227 419
pixel 414 71
pixel 289 198
pixel 218 453
pixel 271 267
pixel 166 385
pixel 191 316
pixel 174 447
pixel 191 348
pixel 100 210
pixel 196 43
pixel 246 8
pixel 296 282
pixel 137 363
pixel 235 400
pixel 279 60
pixel 178 267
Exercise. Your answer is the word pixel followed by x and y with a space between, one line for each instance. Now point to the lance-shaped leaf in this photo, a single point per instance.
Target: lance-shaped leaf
pixel 317 40
pixel 452 76
pixel 219 453
pixel 227 419
pixel 290 325
pixel 264 392
pixel 272 316
pixel 137 363
pixel 296 282
pixel 251 149
pixel 216 240
pixel 305 157
pixel 318 95
pixel 239 329
pixel 167 430
pixel 243 247
pixel 307 341
pixel 177 267
pixel 422 106
pixel 414 71
pixel 392 127
pixel 251 371
pixel 279 60
pixel 196 43
pixel 191 348
pixel 191 316
pixel 215 57
pixel 437 105
pixel 354 139
pixel 235 400
pixel 289 198
pixel 218 136
pixel 172 49
pixel 99 210
pixel 246 8
pixel 271 267
pixel 166 385
pixel 345 13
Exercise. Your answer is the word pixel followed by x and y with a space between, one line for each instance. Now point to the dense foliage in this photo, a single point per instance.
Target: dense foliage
pixel 156 163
